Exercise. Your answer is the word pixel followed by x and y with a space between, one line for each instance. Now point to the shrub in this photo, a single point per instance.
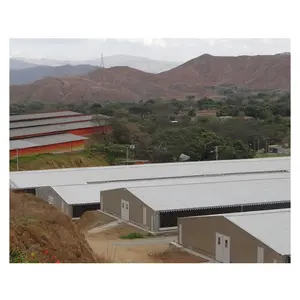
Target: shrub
pixel 131 236
pixel 16 256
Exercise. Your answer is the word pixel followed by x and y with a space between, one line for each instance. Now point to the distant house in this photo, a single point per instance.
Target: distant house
pixel 277 149
pixel 224 118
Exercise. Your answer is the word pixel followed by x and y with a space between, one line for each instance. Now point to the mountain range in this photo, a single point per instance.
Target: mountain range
pixel 195 77
pixel 29 75
pixel 23 71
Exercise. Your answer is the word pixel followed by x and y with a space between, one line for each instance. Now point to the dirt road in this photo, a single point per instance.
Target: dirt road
pixel 106 243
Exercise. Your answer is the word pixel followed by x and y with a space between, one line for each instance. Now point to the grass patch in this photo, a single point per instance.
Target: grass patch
pixel 60 160
pixel 131 236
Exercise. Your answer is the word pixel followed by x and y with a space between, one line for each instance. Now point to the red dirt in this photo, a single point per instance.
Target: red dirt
pixel 128 84
pixel 36 226
pixel 91 219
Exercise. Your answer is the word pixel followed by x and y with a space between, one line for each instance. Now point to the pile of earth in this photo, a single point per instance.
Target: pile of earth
pixel 39 230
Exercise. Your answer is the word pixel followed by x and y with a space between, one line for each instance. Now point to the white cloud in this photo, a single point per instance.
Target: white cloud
pixel 267 41
pixel 161 49
pixel 154 42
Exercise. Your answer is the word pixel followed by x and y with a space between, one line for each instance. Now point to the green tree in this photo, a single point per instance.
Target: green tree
pixel 95 108
pixel 192 113
pixel 121 134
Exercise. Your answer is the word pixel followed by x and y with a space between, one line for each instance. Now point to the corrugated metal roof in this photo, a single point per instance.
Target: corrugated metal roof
pixel 20 144
pixel 13 118
pixel 79 118
pixel 273 228
pixel 90 193
pixel 53 128
pixel 23 124
pixel 44 140
pixel 213 194
pixel 58 177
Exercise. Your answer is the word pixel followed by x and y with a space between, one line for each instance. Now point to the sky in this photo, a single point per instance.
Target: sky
pixel 177 50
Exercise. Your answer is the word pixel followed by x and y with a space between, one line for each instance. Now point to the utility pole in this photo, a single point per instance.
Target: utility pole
pixel 216 151
pixel 102 61
pixel 127 154
pixel 258 145
pixel 17 159
pixel 266 146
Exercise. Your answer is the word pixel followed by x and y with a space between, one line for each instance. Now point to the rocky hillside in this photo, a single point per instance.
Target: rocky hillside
pixel 194 77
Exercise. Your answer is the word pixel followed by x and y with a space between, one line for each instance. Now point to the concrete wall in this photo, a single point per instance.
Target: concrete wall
pixel 57 201
pixel 199 234
pixel 111 203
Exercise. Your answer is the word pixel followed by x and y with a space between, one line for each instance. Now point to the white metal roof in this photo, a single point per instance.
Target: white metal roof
pixel 20 144
pixel 90 193
pixel 273 228
pixel 33 123
pixel 44 140
pixel 18 132
pixel 213 194
pixel 58 177
pixel 42 115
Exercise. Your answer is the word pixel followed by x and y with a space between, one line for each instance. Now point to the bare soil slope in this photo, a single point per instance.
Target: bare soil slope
pixel 254 72
pixel 193 77
pixel 37 226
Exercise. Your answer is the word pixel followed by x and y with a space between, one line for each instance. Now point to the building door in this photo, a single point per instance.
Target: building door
pixel 260 254
pixel 144 215
pixel 50 200
pixel 222 253
pixel 180 234
pixel 124 210
pixel 219 252
pixel 226 249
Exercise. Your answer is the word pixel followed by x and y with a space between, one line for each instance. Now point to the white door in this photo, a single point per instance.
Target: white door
pixel 260 254
pixel 50 200
pixel 180 234
pixel 219 252
pixel 226 249
pixel 124 210
pixel 144 215
pixel 222 253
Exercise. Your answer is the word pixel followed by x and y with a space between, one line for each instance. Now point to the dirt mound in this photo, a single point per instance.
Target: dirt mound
pixel 37 227
pixel 92 219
